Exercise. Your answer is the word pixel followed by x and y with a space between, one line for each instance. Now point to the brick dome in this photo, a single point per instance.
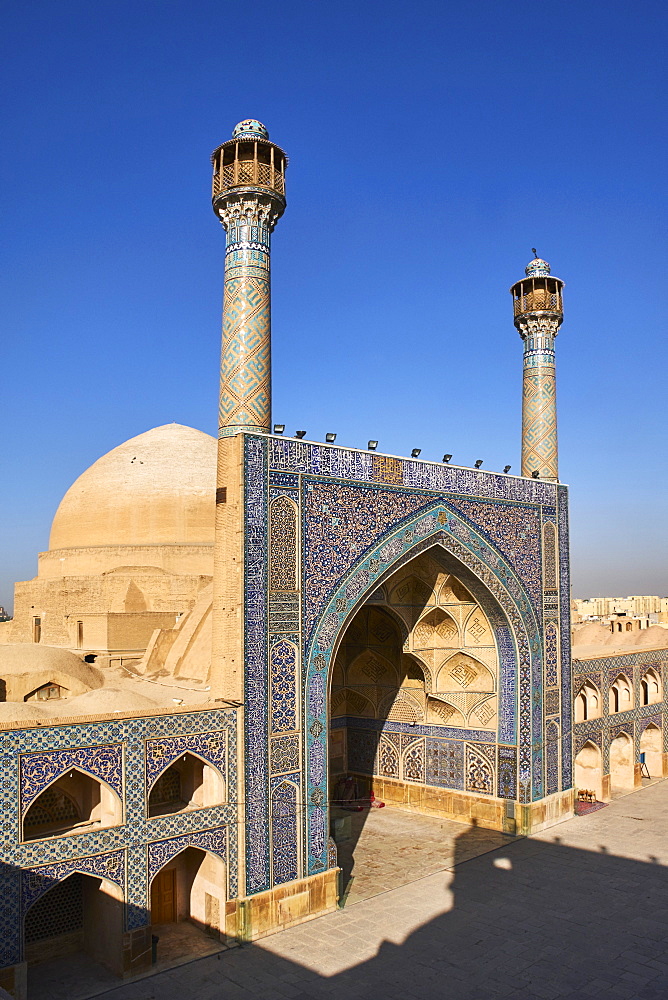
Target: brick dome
pixel 156 489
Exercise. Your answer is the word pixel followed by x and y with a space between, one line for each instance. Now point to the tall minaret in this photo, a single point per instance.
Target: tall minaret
pixel 538 308
pixel 248 198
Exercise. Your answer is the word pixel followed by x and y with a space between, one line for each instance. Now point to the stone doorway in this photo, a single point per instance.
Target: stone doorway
pixel 188 905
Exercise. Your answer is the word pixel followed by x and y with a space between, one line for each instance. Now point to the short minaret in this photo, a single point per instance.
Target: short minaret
pixel 248 198
pixel 538 309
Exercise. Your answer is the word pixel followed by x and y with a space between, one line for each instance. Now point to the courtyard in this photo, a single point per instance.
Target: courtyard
pixel 579 911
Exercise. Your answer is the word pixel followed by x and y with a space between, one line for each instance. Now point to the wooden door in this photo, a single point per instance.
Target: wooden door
pixel 163 897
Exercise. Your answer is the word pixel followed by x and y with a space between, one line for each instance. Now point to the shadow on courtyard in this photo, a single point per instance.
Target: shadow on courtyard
pixel 531 919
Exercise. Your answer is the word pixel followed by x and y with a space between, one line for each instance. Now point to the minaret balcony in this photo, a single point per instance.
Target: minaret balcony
pixel 538 300
pixel 241 173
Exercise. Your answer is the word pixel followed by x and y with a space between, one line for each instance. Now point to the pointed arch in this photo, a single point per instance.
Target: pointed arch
pixel 72 799
pixel 622 771
pixel 621 694
pixel 388 759
pixel 549 556
pixel 436 627
pixel 588 702
pixel 494 586
pixel 651 749
pixel 189 780
pixel 650 686
pixel 285 847
pixel 283 538
pixel 400 706
pixel 462 671
pixel 588 772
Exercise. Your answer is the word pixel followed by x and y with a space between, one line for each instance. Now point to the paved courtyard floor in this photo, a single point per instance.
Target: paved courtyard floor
pixel 578 912
pixel 389 848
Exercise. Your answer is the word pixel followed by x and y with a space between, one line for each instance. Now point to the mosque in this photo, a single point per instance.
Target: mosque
pixel 223 631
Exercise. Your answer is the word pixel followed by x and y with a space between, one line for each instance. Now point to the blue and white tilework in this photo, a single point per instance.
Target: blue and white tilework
pixel 363 516
pixel 37 770
pixel 160 754
pixel 113 751
pixel 602 672
pixel 162 851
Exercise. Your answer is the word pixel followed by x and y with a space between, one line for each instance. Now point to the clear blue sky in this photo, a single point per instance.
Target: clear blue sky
pixel 432 144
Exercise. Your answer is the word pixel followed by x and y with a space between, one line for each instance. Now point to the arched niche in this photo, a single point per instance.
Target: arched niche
pixel 189 782
pixel 283 537
pixel 410 595
pixel 401 706
pixel 371 667
pixel 74 802
pixel 651 687
pixel 492 584
pixel 453 591
pixel 588 702
pixel 441 712
pixel 79 914
pixel 191 886
pixel 463 672
pixel 345 701
pixel 622 771
pixel 651 745
pixel 588 773
pixel 621 695
pixel 436 630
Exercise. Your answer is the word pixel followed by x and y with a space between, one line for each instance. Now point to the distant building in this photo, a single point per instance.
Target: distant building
pixel 601 607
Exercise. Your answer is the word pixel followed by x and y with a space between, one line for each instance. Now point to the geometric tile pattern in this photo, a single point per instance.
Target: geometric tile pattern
pixel 162 851
pixel 362 517
pixel 602 672
pixel 539 422
pixel 245 370
pixel 37 770
pixel 539 402
pixel 112 751
pixel 160 754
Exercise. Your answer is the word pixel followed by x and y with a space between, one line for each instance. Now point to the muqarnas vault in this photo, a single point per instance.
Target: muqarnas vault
pixel 339 612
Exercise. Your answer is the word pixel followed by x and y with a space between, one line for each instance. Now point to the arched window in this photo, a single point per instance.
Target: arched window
pixel 587 702
pixel 73 803
pixel 188 783
pixel 651 687
pixel 621 695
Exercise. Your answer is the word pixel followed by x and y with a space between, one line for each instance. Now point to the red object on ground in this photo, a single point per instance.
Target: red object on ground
pixel 376 803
